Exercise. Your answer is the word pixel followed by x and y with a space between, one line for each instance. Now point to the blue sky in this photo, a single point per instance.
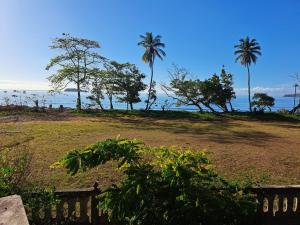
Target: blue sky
pixel 199 35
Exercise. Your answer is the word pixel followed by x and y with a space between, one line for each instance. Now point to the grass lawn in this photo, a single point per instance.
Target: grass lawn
pixel 263 147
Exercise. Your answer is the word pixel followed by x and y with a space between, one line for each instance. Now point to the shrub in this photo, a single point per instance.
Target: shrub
pixel 163 186
pixel 283 111
pixel 14 170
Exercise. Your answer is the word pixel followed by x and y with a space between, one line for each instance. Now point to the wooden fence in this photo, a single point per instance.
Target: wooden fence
pixel 278 205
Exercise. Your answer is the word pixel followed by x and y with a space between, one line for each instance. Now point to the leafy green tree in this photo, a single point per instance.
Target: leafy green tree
pixel 171 187
pixel 129 83
pixel 218 90
pixel 262 101
pixel 97 87
pixel 185 92
pixel 153 48
pixel 247 51
pixel 227 83
pixel 75 64
pixel 214 91
pixel 112 70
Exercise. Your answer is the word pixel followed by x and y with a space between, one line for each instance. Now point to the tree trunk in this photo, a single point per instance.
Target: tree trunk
pixel 199 107
pixel 78 105
pixel 110 102
pixel 131 106
pixel 249 93
pixel 225 109
pixel 100 105
pixel 295 93
pixel 150 87
pixel 208 106
pixel 231 108
pixel 295 109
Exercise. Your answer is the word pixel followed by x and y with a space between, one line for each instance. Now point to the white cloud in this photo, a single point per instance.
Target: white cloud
pixel 23 85
pixel 276 90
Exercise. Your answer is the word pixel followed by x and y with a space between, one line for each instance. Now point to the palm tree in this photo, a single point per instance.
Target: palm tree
pixel 153 47
pixel 247 51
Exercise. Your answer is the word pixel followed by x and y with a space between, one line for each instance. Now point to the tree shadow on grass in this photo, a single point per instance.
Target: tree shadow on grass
pixel 255 138
pixel 223 132
pixel 177 128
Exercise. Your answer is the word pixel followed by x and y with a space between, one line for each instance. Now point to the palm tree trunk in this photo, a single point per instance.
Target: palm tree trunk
pixel 150 88
pixel 249 93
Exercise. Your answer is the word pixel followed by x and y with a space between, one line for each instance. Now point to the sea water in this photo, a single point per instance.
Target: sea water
pixel 68 100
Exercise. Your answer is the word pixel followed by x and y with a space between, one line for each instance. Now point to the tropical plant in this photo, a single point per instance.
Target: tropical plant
pixel 76 63
pixel 129 83
pixel 184 91
pixel 216 90
pixel 163 186
pixel 97 87
pixel 109 75
pixel 247 51
pixel 227 85
pixel 14 171
pixel 262 101
pixel 153 48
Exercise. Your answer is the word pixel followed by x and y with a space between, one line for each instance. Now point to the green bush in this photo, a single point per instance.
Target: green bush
pixel 14 170
pixel 164 186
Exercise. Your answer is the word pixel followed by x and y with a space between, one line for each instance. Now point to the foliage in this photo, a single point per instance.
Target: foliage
pixel 247 51
pixel 14 171
pixel 76 63
pixel 97 87
pixel 163 186
pixel 121 80
pixel 216 90
pixel 128 84
pixel 262 101
pixel 153 48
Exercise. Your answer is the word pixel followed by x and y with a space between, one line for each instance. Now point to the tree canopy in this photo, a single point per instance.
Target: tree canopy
pixel 75 63
pixel 262 101
pixel 214 91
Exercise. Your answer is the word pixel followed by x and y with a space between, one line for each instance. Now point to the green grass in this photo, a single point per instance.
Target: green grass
pixel 264 147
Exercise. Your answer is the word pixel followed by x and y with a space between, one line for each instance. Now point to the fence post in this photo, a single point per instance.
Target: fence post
pixel 95 218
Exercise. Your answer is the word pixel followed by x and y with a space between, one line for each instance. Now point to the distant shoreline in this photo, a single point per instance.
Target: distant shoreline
pixel 291 95
pixel 73 90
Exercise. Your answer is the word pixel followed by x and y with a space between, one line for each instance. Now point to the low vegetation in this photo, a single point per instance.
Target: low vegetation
pixel 15 167
pixel 173 186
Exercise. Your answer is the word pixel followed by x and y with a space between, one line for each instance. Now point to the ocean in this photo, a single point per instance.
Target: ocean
pixel 68 99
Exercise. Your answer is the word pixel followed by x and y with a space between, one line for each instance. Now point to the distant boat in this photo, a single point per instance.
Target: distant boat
pixel 292 95
pixel 73 90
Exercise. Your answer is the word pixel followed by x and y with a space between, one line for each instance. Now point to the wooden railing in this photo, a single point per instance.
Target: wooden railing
pixel 76 206
pixel 278 205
